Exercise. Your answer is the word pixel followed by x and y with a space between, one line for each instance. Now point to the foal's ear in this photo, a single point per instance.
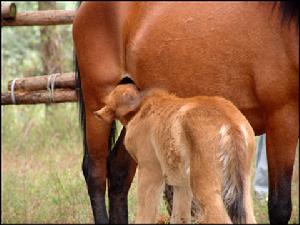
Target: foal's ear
pixel 105 114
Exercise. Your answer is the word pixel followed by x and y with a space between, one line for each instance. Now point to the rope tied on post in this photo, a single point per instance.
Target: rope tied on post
pixel 12 94
pixel 51 85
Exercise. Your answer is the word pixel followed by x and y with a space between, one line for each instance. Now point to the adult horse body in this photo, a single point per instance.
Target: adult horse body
pixel 241 51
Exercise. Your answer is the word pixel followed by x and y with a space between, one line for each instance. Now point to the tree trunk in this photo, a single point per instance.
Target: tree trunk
pixel 50 52
pixel 50 38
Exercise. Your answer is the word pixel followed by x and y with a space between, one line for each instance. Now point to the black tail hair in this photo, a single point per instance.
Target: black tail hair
pixel 289 11
pixel 236 210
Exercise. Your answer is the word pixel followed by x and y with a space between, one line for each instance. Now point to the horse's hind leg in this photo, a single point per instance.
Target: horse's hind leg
pixel 98 39
pixel 210 202
pixel 182 201
pixel 248 202
pixel 282 136
pixel 94 164
pixel 121 170
pixel 206 189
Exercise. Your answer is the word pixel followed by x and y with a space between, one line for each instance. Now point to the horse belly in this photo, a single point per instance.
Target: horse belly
pixel 188 51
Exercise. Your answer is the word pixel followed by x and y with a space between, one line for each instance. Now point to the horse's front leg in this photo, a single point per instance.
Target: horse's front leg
pixel 95 164
pixel 282 136
pixel 121 170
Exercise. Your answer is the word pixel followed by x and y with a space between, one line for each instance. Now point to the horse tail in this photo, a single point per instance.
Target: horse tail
pixel 232 154
pixel 289 11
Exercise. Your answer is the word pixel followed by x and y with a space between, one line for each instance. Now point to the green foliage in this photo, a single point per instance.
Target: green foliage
pixel 20 46
pixel 41 148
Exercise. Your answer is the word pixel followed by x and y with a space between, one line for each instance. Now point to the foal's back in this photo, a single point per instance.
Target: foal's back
pixel 172 124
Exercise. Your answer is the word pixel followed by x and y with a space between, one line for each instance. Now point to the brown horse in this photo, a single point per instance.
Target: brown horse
pixel 246 52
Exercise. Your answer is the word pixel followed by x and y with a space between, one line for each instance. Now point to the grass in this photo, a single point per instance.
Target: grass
pixel 41 173
pixel 41 169
pixel 261 209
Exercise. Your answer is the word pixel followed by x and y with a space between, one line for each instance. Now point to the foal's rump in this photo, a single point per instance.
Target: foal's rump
pixel 227 143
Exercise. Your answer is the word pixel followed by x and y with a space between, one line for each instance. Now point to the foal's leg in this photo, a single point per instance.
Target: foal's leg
pixel 210 202
pixel 150 186
pixel 206 186
pixel 248 201
pixel 246 185
pixel 282 135
pixel 121 170
pixel 182 201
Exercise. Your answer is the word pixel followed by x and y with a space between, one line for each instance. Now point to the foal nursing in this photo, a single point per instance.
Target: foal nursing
pixel 203 146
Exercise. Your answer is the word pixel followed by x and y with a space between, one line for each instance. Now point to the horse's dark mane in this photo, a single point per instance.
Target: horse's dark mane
pixel 289 11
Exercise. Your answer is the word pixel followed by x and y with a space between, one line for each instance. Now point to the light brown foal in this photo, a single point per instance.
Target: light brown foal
pixel 203 146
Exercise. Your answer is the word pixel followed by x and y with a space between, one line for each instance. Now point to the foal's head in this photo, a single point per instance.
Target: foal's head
pixel 121 104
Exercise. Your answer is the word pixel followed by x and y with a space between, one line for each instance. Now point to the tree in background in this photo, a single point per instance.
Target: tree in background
pixel 50 37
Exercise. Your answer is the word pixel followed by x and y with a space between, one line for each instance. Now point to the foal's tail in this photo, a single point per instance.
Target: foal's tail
pixel 233 153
